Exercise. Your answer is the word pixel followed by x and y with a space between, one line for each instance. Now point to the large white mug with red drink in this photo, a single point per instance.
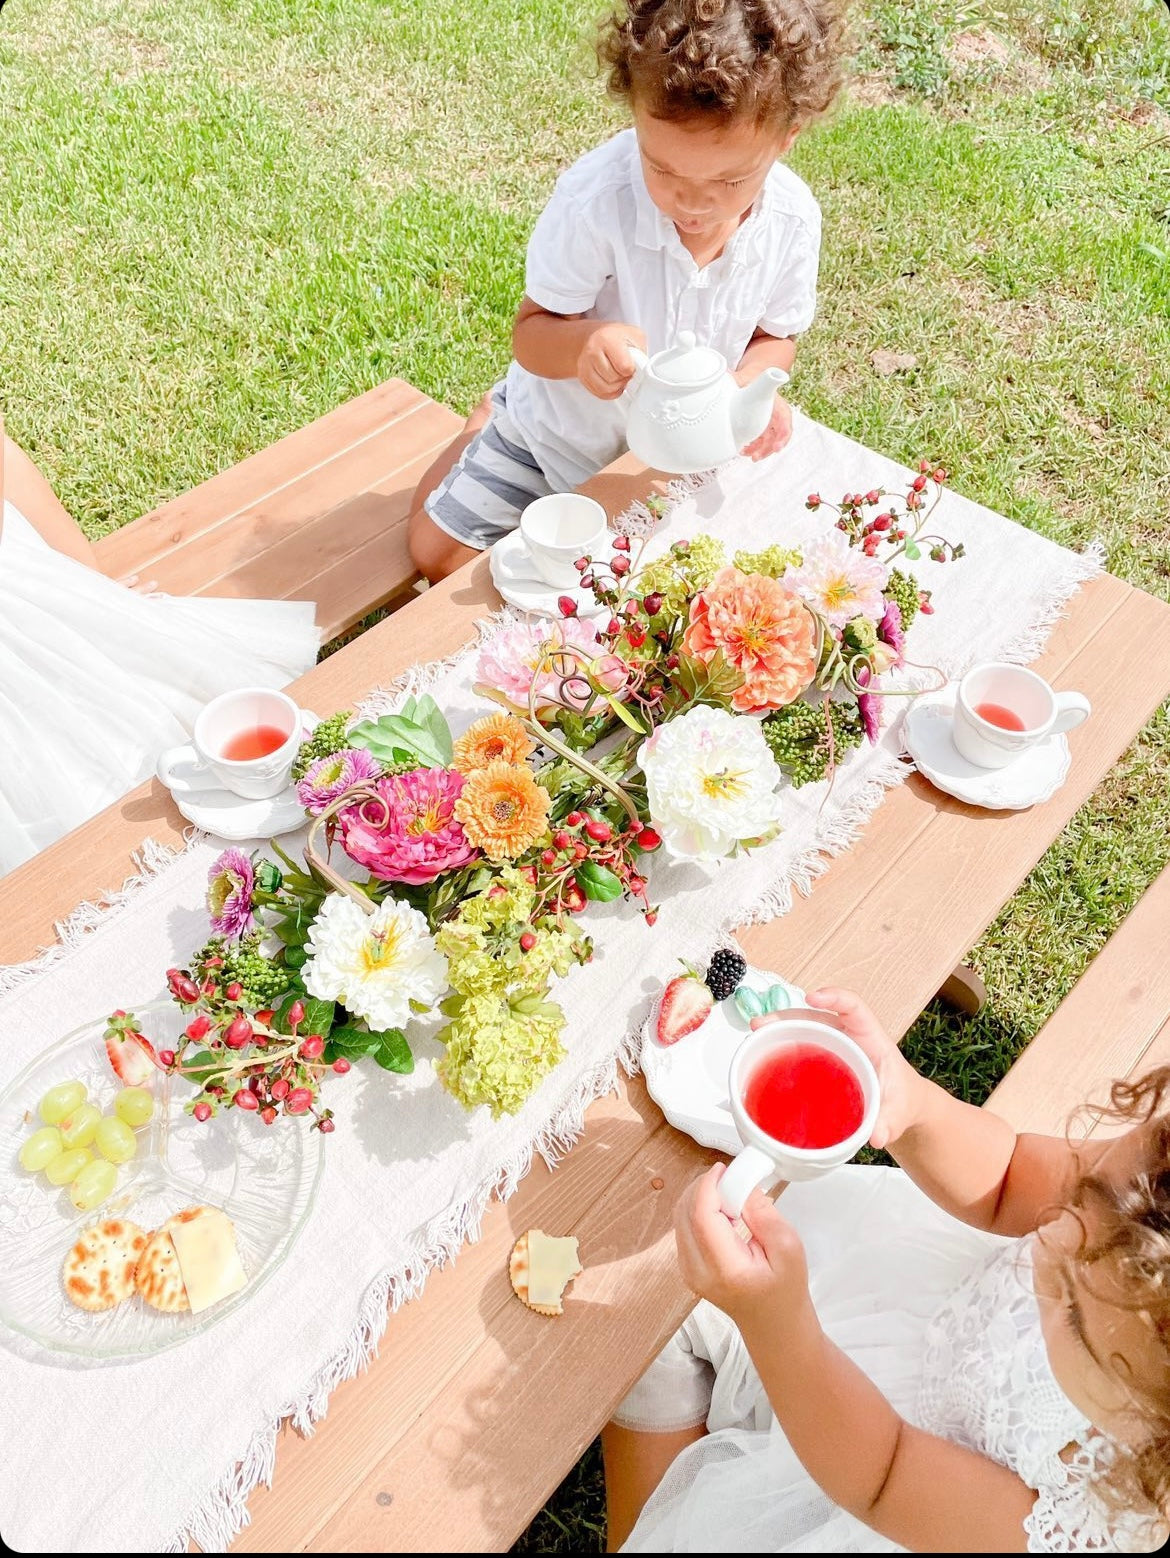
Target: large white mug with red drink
pixel 804 1099
pixel 1002 711
pixel 243 741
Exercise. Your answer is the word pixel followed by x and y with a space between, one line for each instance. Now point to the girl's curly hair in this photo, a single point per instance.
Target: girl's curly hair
pixel 1125 1238
pixel 774 61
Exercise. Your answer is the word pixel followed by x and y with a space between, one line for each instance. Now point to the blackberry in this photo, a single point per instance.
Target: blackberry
pixel 724 973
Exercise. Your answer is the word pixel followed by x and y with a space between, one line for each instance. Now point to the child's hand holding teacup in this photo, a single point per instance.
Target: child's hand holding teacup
pixel 900 1084
pixel 744 1278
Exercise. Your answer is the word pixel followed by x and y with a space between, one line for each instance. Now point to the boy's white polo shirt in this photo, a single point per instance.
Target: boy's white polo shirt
pixel 602 248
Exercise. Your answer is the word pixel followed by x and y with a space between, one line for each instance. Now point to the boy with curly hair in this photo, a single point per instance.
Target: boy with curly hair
pixel 687 221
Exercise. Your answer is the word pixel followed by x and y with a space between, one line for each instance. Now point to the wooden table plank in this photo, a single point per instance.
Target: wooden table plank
pixel 262 475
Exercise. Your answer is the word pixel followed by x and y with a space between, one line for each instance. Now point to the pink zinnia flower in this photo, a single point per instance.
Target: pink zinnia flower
pixel 839 582
pixel 891 631
pixel 328 778
pixel 509 664
pixel 415 837
pixel 869 706
pixel 229 894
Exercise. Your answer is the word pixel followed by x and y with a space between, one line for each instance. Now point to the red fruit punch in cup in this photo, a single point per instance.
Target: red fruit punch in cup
pixel 997 714
pixel 804 1096
pixel 257 742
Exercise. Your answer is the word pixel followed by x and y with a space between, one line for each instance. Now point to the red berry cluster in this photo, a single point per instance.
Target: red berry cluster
pixel 585 837
pixel 241 1060
pixel 901 531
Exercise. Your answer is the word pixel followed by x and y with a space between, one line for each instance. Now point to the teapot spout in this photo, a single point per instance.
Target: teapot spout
pixel 751 406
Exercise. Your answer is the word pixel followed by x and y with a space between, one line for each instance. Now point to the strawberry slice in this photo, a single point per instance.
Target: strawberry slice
pixel 132 1058
pixel 686 1004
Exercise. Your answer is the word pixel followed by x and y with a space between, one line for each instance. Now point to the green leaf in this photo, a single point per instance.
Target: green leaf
pixel 429 715
pixel 913 552
pixel 351 1042
pixel 203 1064
pixel 598 882
pixel 295 956
pixel 393 1052
pixel 318 1015
pixel 395 738
pixel 626 716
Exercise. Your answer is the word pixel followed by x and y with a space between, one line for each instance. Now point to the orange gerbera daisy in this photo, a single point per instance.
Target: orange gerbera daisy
pixel 503 810
pixel 496 738
pixel 763 629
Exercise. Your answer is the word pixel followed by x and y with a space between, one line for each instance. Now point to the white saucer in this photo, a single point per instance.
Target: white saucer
pixel 521 586
pixel 234 817
pixel 688 1080
pixel 1034 776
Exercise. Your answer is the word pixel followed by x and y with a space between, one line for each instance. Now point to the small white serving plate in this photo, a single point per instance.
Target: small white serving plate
pixel 1034 776
pixel 688 1080
pixel 235 817
pixel 521 586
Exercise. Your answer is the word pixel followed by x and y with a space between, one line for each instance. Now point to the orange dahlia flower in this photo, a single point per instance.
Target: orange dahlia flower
pixel 503 810
pixel 498 738
pixel 763 630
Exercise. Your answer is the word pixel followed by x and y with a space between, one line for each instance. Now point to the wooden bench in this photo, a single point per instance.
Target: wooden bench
pixel 1115 1022
pixel 319 516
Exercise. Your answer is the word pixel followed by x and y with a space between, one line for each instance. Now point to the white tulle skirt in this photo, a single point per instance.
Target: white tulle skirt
pixel 95 680
pixel 882 1258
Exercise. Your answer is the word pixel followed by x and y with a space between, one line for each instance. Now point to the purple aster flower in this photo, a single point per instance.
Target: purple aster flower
pixel 229 894
pixel 330 777
pixel 891 631
pixel 869 706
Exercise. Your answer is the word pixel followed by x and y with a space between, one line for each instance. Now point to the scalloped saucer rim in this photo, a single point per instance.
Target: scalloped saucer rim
pixel 1033 777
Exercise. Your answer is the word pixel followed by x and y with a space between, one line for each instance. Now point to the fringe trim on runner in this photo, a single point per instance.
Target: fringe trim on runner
pixel 151 860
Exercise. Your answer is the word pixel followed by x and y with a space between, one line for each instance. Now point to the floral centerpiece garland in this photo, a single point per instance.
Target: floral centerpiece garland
pixel 670 724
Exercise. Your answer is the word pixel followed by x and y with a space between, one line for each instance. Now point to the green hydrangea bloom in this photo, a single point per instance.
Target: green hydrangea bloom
pixel 676 579
pixel 900 587
pixel 482 943
pixel 773 562
pixel 497 1055
pixel 799 740
pixel 328 738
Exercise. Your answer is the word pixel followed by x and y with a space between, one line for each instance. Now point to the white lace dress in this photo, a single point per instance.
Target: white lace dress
pixel 942 1318
pixel 95 680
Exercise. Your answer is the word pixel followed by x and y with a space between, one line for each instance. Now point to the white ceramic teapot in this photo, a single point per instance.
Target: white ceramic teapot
pixel 687 413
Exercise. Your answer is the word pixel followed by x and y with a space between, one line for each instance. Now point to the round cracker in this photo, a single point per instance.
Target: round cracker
pixel 518 1275
pixel 98 1272
pixel 158 1277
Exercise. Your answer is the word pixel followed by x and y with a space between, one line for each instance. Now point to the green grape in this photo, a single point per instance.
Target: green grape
pixel 78 1129
pixel 93 1185
pixel 60 1101
pixel 134 1105
pixel 41 1148
pixel 115 1140
pixel 66 1166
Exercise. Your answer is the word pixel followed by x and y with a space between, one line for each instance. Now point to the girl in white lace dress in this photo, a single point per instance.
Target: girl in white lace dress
pixel 97 679
pixel 970 1353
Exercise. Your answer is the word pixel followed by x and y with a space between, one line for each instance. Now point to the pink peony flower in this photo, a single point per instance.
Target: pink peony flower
pixel 509 664
pixel 229 894
pixel 763 629
pixel 328 778
pixel 838 581
pixel 414 837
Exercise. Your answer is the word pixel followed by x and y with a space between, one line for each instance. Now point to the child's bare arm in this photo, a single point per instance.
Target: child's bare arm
pixel 968 1160
pixel 766 351
pixel 921 1491
pixel 569 346
pixel 26 489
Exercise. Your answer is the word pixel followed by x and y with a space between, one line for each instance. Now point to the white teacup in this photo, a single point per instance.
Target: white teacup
pixel 764 1161
pixel 560 528
pixel 226 719
pixel 995 687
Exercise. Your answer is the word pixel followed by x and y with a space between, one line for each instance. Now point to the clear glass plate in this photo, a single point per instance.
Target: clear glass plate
pixel 264 1177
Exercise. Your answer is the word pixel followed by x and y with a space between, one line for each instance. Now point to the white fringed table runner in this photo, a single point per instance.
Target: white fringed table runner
pixel 143 1456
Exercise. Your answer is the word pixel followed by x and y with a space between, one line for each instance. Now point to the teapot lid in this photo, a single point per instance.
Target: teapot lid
pixel 688 364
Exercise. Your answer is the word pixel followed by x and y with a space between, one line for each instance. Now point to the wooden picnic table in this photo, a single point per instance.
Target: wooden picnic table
pixel 475 1408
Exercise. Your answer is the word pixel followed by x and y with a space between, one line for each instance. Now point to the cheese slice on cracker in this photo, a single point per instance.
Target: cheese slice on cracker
pixel 205 1243
pixel 541 1267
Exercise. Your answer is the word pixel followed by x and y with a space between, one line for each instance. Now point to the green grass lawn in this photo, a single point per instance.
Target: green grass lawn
pixel 223 218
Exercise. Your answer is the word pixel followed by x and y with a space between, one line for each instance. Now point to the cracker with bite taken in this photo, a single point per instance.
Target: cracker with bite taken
pixel 158 1278
pixel 541 1268
pixel 99 1269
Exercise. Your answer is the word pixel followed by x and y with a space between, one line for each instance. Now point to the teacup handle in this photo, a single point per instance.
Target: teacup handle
pixel 181 757
pixel 750 1170
pixel 1072 709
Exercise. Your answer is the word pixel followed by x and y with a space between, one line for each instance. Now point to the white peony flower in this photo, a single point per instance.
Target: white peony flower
pixel 375 964
pixel 711 783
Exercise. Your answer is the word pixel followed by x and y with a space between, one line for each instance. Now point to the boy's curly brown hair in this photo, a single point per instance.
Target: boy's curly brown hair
pixel 777 62
pixel 1125 1226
